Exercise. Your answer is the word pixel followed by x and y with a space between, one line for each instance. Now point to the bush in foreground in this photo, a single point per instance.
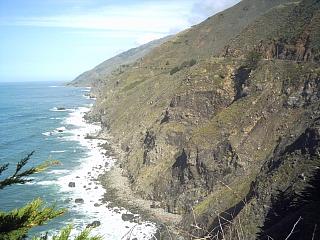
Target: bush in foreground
pixel 14 225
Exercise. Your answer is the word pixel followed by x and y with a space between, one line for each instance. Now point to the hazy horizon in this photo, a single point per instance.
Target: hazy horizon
pixel 58 40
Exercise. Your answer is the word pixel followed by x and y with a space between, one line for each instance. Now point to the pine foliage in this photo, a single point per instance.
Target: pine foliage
pixel 65 234
pixel 20 176
pixel 14 225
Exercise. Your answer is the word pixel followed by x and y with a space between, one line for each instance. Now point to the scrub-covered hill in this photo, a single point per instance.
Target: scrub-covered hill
pixel 94 76
pixel 220 123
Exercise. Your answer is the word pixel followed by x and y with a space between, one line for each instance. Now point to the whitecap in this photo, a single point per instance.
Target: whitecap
pixel 58 151
pixel 61 109
pixel 61 129
pixel 85 90
pixel 59 171
pixel 47 134
pixel 30 183
pixel 46 183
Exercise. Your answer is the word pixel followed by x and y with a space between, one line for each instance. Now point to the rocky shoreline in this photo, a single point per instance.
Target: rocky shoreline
pixel 120 194
pixel 85 192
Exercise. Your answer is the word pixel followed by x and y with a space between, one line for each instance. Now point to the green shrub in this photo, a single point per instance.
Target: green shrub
pixel 183 65
pixel 252 59
pixel 15 224
pixel 132 85
pixel 174 70
pixel 192 62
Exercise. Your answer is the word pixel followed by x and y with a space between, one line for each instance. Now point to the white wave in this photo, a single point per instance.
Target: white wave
pixel 61 109
pixel 89 105
pixel 30 183
pixel 58 151
pixel 61 129
pixel 59 171
pixel 90 190
pixel 58 130
pixel 89 97
pixel 76 118
pixel 46 183
pixel 55 86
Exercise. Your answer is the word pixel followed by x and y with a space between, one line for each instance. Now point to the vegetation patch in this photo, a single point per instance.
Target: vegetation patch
pixel 185 64
pixel 132 85
pixel 231 195
pixel 252 59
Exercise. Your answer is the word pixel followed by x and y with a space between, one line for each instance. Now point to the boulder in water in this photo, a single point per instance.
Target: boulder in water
pixel 94 224
pixel 79 200
pixel 127 217
pixel 72 184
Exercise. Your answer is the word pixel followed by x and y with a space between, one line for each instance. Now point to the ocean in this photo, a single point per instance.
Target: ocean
pixel 47 117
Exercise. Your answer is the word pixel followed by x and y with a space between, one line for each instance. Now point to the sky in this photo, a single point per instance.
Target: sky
pixel 60 39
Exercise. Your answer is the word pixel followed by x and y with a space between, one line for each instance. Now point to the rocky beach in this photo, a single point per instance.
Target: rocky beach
pixel 90 198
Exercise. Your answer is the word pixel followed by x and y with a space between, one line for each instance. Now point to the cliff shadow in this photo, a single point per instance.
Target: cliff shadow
pixel 294 215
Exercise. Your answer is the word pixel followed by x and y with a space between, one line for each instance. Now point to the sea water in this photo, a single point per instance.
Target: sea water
pixel 47 118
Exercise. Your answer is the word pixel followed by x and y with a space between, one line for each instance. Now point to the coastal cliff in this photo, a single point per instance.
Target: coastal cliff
pixel 221 123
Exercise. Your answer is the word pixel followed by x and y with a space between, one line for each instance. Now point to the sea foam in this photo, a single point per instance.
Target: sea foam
pixel 89 189
pixel 56 109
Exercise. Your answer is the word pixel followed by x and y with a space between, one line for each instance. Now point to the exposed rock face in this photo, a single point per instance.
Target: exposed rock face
pixel 284 190
pixel 290 35
pixel 300 50
pixel 219 141
pixel 148 144
pixel 193 106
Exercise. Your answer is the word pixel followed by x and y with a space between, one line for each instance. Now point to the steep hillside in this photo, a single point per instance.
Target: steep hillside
pixel 219 128
pixel 123 60
pixel 285 32
pixel 209 37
